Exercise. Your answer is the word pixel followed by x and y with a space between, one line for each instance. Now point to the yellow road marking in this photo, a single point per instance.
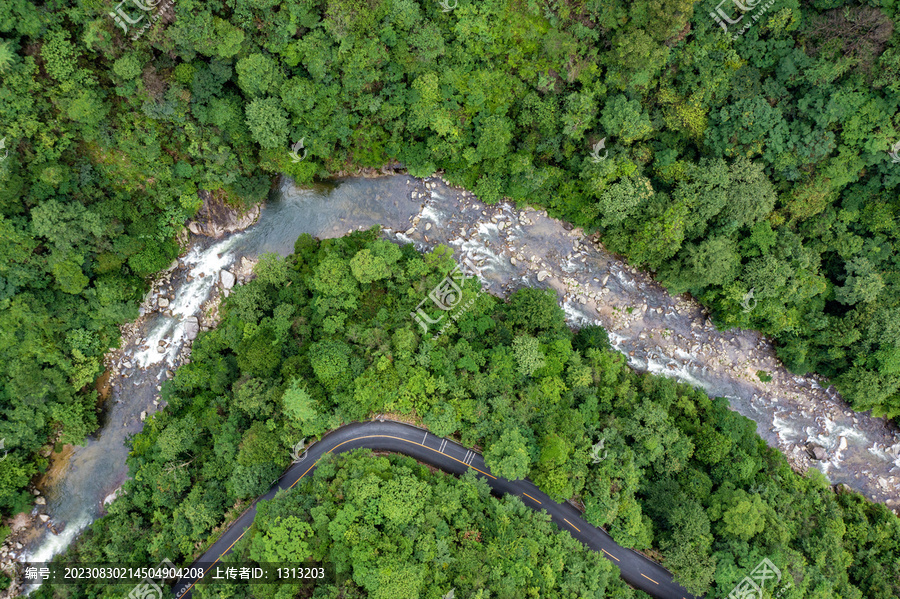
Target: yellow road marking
pixel 398 439
pixel 331 450
pixel 573 526
pixel 215 562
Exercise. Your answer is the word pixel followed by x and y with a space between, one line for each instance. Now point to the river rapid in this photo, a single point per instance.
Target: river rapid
pixel 513 248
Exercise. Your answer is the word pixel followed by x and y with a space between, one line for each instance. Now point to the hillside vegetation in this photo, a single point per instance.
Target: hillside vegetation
pixel 325 337
pixel 743 161
pixel 399 531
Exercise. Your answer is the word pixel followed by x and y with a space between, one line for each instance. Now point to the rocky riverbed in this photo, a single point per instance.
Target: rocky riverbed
pixel 800 415
pixel 511 248
pixel 182 302
pixel 82 481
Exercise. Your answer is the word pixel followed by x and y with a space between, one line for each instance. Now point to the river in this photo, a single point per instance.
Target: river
pixel 514 248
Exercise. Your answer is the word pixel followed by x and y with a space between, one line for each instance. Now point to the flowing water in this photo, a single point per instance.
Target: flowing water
pixel 512 248
pixel 95 470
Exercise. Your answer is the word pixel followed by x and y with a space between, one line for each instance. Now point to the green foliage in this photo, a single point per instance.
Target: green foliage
pixel 386 500
pixel 735 164
pixel 624 119
pixel 268 123
pixel 367 267
pixel 677 472
pixel 330 360
pixel 508 457
pixel 528 355
pixel 258 75
pixel 284 541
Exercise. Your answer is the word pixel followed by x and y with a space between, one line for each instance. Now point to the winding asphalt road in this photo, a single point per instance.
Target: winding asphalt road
pixel 637 570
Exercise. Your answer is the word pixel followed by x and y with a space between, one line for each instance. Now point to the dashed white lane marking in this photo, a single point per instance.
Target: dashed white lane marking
pixel 425 437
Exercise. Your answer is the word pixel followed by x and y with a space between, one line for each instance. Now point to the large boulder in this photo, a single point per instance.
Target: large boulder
pixel 227 279
pixel 816 452
pixel 191 328
pixel 215 218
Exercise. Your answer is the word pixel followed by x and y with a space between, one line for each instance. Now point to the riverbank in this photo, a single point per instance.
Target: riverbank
pixel 184 299
pixel 658 333
pixel 513 248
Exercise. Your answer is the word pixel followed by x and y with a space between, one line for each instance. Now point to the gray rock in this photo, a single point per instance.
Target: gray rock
pixel 163 302
pixel 40 501
pixel 161 349
pixel 143 416
pixel 44 517
pixel 191 328
pixel 816 452
pixel 227 279
pixel 542 275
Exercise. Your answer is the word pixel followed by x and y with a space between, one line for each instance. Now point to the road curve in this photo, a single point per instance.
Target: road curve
pixel 636 569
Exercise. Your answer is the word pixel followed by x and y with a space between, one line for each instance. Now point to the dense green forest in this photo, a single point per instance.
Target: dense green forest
pixel 404 532
pixel 326 337
pixel 740 160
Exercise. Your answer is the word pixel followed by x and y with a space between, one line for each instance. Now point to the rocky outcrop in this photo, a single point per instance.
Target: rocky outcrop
pixel 215 218
pixel 816 452
pixel 227 279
